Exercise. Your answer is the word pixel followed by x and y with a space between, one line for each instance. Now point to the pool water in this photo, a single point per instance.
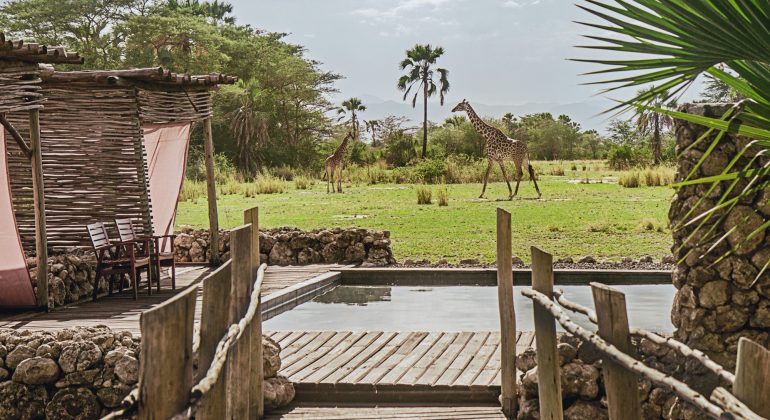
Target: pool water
pixel 452 308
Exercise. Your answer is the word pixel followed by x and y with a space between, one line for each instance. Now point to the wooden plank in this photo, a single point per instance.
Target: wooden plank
pixel 311 357
pixel 415 372
pixel 361 358
pixel 387 412
pixel 751 376
pixel 338 359
pixel 462 361
pixel 621 385
pixel 295 341
pixel 278 336
pixel 507 315
pixel 38 188
pixel 306 344
pixel 376 374
pixel 479 361
pixel 214 325
pixel 257 407
pixel 251 216
pixel 440 365
pixel 239 360
pixel 548 376
pixel 211 191
pixel 396 342
pixel 165 369
pixel 396 372
pixel 490 371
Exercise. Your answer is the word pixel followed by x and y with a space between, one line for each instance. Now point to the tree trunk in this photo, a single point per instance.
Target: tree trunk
pixel 425 119
pixel 656 142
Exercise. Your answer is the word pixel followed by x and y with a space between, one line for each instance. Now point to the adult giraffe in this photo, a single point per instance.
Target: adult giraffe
pixel 500 148
pixel 335 163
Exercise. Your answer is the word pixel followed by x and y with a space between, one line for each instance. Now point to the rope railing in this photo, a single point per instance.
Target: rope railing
pixel 670 342
pixel 681 389
pixel 234 333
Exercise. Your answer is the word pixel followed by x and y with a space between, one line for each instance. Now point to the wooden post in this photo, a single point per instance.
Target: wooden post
pixel 239 362
pixel 621 384
pixel 507 316
pixel 211 185
pixel 752 371
pixel 215 315
pixel 166 362
pixel 251 216
pixel 38 187
pixel 548 376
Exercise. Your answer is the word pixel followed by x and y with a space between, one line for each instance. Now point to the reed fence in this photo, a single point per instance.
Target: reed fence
pixel 750 384
pixel 230 379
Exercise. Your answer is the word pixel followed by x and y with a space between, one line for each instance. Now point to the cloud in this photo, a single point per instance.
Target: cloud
pixel 398 8
pixel 518 4
pixel 512 4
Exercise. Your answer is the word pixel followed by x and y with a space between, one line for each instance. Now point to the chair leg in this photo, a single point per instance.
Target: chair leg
pixel 134 281
pixel 109 283
pixel 157 273
pixel 149 278
pixel 96 281
pixel 173 274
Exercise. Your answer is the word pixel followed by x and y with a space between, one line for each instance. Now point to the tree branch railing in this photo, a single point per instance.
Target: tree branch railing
pixel 621 368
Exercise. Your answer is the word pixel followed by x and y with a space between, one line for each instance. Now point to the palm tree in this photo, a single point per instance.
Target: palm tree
pixel 651 122
pixel 248 124
pixel 351 105
pixel 418 61
pixel 373 126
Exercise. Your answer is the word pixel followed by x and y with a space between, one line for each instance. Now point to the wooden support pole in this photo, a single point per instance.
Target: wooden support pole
pixel 548 375
pixel 621 384
pixel 215 315
pixel 239 361
pixel 507 315
pixel 41 239
pixel 16 136
pixel 251 216
pixel 166 362
pixel 211 188
pixel 752 374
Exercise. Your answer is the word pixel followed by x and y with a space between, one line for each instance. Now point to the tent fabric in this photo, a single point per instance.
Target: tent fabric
pixel 15 283
pixel 166 146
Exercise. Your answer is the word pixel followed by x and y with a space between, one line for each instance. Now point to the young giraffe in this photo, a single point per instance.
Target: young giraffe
pixel 335 163
pixel 500 148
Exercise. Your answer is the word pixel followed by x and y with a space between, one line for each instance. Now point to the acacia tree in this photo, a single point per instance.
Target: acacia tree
pixel 650 122
pixel 351 106
pixel 373 126
pixel 419 63
pixel 248 122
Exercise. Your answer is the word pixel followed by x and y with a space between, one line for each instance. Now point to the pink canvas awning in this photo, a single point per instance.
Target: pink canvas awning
pixel 166 146
pixel 15 283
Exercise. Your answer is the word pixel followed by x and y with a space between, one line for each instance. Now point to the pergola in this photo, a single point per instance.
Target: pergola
pixel 113 144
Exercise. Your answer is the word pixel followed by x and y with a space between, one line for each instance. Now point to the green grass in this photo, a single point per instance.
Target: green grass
pixel 573 219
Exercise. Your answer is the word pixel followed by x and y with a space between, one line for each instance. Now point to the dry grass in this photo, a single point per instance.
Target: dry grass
pixel 424 195
pixel 630 179
pixel 658 176
pixel 302 182
pixel 442 195
pixel 265 184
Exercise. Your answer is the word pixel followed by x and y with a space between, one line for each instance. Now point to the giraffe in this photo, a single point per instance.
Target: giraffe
pixel 335 163
pixel 500 148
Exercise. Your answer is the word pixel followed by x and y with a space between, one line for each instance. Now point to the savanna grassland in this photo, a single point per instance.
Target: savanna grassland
pixel 583 212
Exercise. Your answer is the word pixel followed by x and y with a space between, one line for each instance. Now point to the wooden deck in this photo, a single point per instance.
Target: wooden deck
pixel 121 312
pixel 481 412
pixel 404 367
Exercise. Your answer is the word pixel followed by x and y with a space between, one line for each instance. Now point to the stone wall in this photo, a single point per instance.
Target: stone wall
pixel 70 278
pixel 289 246
pixel 85 373
pixel 718 302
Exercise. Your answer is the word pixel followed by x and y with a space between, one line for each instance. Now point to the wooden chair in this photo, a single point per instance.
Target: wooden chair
pixel 158 256
pixel 118 258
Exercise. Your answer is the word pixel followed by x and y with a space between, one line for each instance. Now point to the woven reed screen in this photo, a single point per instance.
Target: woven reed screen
pixel 166 107
pixel 93 164
pixel 20 88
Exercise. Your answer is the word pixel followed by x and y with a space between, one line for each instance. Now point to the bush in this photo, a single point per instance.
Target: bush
pixel 265 183
pixel 192 190
pixel 442 195
pixel 556 171
pixel 302 182
pixel 621 157
pixel 630 179
pixel 431 171
pixel 424 195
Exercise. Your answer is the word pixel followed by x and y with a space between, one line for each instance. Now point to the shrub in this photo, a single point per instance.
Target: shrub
pixel 573 167
pixel 284 172
pixel 622 157
pixel 442 195
pixel 192 190
pixel 265 183
pixel 302 182
pixel 630 179
pixel 431 171
pixel 424 195
pixel 556 171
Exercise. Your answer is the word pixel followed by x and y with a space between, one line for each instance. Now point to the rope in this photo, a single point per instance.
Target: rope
pixel 680 388
pixel 669 342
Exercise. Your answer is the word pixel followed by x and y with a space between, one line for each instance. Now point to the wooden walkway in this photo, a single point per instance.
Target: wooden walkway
pixel 121 312
pixel 330 366
pixel 481 412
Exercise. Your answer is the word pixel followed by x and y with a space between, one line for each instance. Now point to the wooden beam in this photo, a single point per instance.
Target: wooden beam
pixel 41 240
pixel 256 397
pixel 208 146
pixel 239 361
pixel 621 384
pixel 251 216
pixel 16 136
pixel 507 316
pixel 751 376
pixel 548 375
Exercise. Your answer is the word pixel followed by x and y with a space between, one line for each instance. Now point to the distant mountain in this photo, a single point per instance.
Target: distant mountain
pixel 586 113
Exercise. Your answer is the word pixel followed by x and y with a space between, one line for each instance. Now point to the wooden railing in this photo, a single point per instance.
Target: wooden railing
pixel 229 381
pixel 748 399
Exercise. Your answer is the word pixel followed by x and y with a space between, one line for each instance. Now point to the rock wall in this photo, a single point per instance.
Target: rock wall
pixel 582 383
pixel 289 246
pixel 70 277
pixel 85 373
pixel 718 302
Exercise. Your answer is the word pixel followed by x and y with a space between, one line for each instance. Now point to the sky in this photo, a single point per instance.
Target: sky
pixel 498 52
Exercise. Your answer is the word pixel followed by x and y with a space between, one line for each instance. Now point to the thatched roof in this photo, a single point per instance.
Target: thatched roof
pixel 154 76
pixel 30 52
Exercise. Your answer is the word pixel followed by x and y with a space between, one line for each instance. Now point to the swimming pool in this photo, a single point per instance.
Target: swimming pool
pixel 452 308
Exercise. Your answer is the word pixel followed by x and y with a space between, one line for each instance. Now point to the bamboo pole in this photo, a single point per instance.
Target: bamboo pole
pixel 41 241
pixel 208 146
pixel 732 405
pixel 507 316
pixel 621 384
pixel 548 376
pixel 257 403
pixel 751 376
